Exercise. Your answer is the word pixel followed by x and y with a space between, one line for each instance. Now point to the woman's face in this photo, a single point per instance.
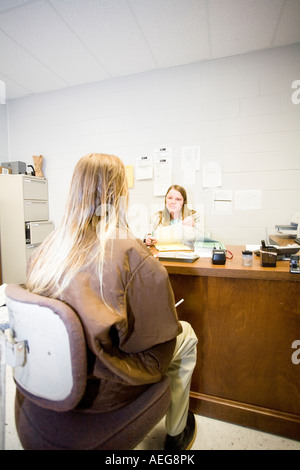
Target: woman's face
pixel 174 203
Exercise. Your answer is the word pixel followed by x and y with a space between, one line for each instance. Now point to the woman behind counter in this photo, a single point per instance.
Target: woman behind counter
pixel 176 212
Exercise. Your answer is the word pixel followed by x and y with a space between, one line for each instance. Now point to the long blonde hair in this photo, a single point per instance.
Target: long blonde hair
pixel 96 207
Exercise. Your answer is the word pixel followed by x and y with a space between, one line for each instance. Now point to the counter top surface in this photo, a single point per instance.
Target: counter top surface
pixel 232 268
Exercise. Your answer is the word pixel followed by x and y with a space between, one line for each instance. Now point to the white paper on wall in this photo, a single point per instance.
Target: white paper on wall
pixel 189 177
pixel 162 171
pixel 248 199
pixel 190 158
pixel 211 175
pixel 222 201
pixel 143 167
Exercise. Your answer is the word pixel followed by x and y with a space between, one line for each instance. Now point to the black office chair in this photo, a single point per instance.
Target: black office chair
pixel 52 380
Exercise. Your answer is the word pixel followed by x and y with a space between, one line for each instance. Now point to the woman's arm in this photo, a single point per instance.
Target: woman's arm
pixel 150 238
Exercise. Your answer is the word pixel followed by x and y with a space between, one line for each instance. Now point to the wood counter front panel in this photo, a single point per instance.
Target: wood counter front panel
pixel 245 327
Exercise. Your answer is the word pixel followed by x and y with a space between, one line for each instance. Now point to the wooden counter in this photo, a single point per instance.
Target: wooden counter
pixel 246 319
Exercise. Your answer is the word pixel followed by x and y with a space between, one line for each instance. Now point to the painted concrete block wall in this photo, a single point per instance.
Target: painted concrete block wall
pixel 4 153
pixel 238 110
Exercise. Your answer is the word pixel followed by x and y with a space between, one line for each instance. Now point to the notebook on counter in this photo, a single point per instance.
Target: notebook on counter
pixel 179 256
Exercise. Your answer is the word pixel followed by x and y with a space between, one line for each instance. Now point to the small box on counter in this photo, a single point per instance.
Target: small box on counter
pixel 17 168
pixel 5 171
pixel 268 255
pixel 218 256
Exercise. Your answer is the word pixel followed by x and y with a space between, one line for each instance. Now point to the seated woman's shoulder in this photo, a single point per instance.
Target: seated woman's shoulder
pixel 126 241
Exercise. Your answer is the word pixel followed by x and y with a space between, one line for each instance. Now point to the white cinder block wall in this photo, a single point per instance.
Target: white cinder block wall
pixel 239 110
pixel 3 133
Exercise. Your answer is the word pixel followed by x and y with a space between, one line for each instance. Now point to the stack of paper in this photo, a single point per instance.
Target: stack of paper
pixel 172 247
pixel 181 256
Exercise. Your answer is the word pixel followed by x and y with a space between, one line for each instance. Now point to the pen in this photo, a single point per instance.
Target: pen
pixel 179 302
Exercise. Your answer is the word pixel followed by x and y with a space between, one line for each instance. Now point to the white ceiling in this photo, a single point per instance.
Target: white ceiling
pixel 51 44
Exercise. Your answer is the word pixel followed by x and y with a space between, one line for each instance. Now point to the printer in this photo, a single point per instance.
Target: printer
pixel 292 230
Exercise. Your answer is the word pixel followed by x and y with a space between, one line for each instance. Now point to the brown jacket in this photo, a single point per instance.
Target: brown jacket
pixel 132 338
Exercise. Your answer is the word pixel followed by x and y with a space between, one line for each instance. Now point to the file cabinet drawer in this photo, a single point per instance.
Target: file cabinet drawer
pixel 36 232
pixel 35 188
pixel 29 250
pixel 36 210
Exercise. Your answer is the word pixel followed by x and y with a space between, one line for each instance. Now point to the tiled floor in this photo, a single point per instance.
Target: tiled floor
pixel 217 435
pixel 211 434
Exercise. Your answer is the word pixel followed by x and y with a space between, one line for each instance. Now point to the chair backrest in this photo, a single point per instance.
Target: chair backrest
pixel 55 368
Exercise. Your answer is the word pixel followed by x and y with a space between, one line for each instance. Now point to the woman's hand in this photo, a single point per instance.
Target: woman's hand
pixel 150 240
pixel 188 221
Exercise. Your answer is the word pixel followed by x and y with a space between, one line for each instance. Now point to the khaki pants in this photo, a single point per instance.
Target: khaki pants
pixel 180 374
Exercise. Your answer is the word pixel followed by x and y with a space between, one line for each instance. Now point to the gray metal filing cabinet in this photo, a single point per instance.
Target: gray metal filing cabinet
pixel 24 222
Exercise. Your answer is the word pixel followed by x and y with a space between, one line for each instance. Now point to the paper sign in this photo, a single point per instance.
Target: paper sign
pixel 162 171
pixel 144 168
pixel 248 199
pixel 190 158
pixel 211 175
pixel 222 202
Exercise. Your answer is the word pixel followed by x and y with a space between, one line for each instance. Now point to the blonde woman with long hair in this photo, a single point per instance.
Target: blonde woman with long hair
pixel 122 295
pixel 175 213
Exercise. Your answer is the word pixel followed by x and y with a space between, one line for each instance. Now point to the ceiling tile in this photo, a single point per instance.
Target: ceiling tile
pixel 40 30
pixel 13 90
pixel 24 70
pixel 175 30
pixel 109 30
pixel 10 4
pixel 239 26
pixel 288 31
